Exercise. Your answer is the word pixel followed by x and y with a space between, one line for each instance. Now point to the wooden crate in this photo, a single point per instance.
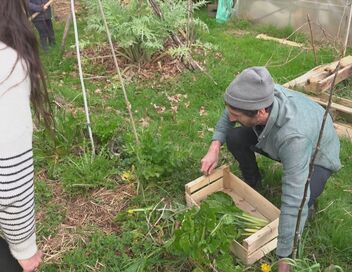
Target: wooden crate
pixel 247 199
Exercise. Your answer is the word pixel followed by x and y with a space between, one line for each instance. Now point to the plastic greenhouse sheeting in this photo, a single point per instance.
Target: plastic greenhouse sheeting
pixel 329 18
pixel 224 10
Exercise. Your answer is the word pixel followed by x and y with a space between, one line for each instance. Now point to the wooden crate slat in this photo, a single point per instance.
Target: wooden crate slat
pixel 204 180
pixel 237 249
pixel 259 238
pixel 257 249
pixel 241 203
pixel 189 200
pixel 261 252
pixel 208 190
pixel 264 206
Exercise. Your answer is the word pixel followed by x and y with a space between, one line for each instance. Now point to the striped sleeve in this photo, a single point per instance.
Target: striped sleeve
pixel 17 220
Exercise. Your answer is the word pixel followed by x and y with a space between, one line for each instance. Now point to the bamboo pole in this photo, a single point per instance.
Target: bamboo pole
pixel 128 104
pixel 348 31
pixel 86 109
pixel 64 36
pixel 37 13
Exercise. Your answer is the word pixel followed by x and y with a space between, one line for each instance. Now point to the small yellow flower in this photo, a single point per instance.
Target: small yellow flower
pixel 130 211
pixel 127 176
pixel 265 267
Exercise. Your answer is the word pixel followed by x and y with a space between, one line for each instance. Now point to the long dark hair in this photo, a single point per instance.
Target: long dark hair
pixel 16 32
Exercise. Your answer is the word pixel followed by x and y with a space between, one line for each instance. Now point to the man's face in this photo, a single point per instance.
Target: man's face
pixel 236 116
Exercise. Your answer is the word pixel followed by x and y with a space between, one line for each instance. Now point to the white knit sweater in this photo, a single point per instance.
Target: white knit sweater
pixel 17 222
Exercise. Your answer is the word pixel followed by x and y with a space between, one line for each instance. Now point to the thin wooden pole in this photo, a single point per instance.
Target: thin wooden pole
pixel 128 104
pixel 86 109
pixel 348 31
pixel 297 236
pixel 189 22
pixel 312 40
pixel 37 13
pixel 64 36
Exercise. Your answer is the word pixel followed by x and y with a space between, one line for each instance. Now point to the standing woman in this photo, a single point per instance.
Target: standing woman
pixel 21 84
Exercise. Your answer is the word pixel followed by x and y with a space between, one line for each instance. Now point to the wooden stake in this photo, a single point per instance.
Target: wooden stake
pixel 312 40
pixel 348 31
pixel 86 109
pixel 64 36
pixel 128 104
pixel 311 169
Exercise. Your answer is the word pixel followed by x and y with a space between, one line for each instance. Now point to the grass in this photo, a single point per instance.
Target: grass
pixel 172 145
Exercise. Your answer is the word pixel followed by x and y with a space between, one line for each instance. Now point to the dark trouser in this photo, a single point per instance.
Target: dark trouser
pixel 7 262
pixel 241 143
pixel 46 33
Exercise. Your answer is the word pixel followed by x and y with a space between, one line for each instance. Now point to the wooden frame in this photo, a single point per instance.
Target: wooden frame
pixel 247 199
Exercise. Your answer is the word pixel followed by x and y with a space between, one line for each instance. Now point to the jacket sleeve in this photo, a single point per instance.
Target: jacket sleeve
pixel 222 126
pixel 34 7
pixel 295 155
pixel 17 214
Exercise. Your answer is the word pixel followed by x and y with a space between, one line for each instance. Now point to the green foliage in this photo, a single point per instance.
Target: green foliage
pixel 157 158
pixel 205 234
pixel 135 27
pixel 83 173
pixel 306 265
pixel 54 216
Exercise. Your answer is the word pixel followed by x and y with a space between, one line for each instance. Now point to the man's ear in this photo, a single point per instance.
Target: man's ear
pixel 261 112
pixel 262 116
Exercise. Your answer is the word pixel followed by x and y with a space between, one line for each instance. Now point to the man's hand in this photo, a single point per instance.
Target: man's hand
pixel 31 264
pixel 283 266
pixel 210 160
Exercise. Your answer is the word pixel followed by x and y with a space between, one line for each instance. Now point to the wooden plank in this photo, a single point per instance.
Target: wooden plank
pixel 262 236
pixel 241 203
pixel 204 180
pixel 325 84
pixel 339 100
pixel 334 106
pixel 264 206
pixel 302 81
pixel 320 77
pixel 343 130
pixel 261 252
pixel 282 41
pixel 208 190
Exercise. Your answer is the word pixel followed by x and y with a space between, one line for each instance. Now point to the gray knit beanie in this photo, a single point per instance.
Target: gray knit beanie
pixel 252 89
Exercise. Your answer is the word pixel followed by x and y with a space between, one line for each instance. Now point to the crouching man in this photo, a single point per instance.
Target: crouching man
pixel 283 125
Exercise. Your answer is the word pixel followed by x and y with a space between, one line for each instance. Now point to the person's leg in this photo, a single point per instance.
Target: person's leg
pixel 317 183
pixel 7 262
pixel 50 31
pixel 43 36
pixel 240 142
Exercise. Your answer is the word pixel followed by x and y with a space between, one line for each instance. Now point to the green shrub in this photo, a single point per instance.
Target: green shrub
pixel 134 26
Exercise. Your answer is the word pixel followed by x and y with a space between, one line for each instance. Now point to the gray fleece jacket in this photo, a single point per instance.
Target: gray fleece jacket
pixel 290 136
